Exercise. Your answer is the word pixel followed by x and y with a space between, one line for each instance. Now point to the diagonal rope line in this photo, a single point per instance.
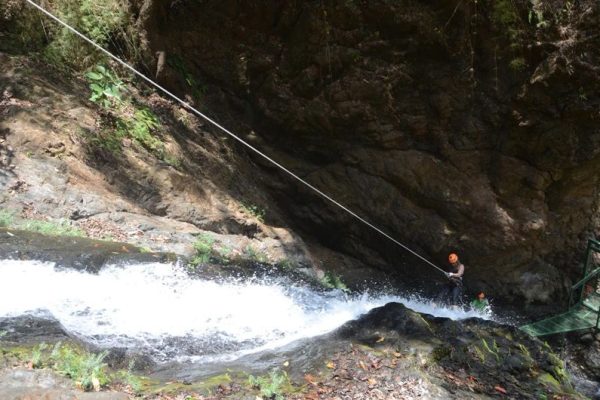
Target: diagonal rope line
pixel 237 138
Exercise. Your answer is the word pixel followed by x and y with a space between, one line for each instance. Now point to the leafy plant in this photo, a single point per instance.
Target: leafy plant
pixel 106 87
pixel 36 355
pixel 125 119
pixel 204 249
pixel 271 386
pixel 130 379
pixel 88 370
pixel 255 255
pixel 333 281
pixel 104 22
pixel 140 128
pixel 254 210
pixel 6 218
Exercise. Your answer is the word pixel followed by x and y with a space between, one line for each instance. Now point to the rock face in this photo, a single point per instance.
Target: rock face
pixel 471 358
pixel 457 127
pixel 52 169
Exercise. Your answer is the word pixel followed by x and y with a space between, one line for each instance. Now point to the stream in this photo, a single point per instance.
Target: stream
pixel 159 310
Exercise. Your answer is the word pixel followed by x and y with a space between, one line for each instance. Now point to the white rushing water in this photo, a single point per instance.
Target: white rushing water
pixel 158 308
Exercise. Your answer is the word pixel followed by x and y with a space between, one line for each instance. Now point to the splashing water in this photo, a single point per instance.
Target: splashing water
pixel 158 308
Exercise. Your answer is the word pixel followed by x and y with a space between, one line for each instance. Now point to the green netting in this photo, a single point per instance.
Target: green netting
pixel 585 295
pixel 578 318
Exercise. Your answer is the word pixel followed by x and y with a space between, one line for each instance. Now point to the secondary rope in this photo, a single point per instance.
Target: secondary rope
pixel 240 140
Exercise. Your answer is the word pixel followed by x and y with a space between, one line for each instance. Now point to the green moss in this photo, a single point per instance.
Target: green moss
pixel 441 352
pixel 480 354
pixel 518 64
pixel 205 387
pixel 548 380
pixel 524 350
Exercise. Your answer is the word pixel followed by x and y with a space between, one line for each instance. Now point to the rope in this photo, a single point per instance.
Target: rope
pixel 240 140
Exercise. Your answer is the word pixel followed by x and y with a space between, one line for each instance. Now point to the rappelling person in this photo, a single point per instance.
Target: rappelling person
pixel 455 285
pixel 480 303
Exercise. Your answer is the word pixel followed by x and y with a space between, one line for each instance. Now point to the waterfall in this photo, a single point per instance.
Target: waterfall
pixel 159 309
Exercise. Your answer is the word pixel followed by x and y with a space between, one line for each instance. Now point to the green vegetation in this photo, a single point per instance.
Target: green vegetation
pixel 87 369
pixel 7 218
pixel 517 64
pixel 271 386
pixel 140 127
pixel 177 63
pixel 106 87
pixel 60 228
pixel 172 160
pixel 333 281
pixel 36 355
pixel 125 119
pixel 105 22
pixel 536 15
pixel 207 250
pixel 204 249
pixel 525 351
pixel 254 210
pixel 441 352
pixel 492 350
pixel 108 24
pixel 286 264
pixel 255 255
pixel 135 383
pixel 505 16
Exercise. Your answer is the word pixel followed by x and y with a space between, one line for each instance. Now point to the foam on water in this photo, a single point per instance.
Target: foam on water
pixel 159 308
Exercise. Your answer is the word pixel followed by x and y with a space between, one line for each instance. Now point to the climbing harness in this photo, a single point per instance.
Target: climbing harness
pixel 231 134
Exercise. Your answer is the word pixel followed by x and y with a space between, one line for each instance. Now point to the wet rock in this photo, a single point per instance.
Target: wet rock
pixel 490 353
pixel 587 338
pixel 71 252
pixel 393 317
pixel 30 329
pixel 591 359
pixel 128 360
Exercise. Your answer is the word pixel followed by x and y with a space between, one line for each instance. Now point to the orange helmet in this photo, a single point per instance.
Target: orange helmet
pixel 452 257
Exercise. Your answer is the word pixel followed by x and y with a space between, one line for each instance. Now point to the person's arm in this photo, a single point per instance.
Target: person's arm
pixel 459 274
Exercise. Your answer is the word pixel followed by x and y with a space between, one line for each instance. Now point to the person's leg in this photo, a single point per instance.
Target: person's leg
pixel 455 295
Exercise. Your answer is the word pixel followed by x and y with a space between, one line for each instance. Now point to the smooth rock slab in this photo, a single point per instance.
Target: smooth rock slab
pixel 23 384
